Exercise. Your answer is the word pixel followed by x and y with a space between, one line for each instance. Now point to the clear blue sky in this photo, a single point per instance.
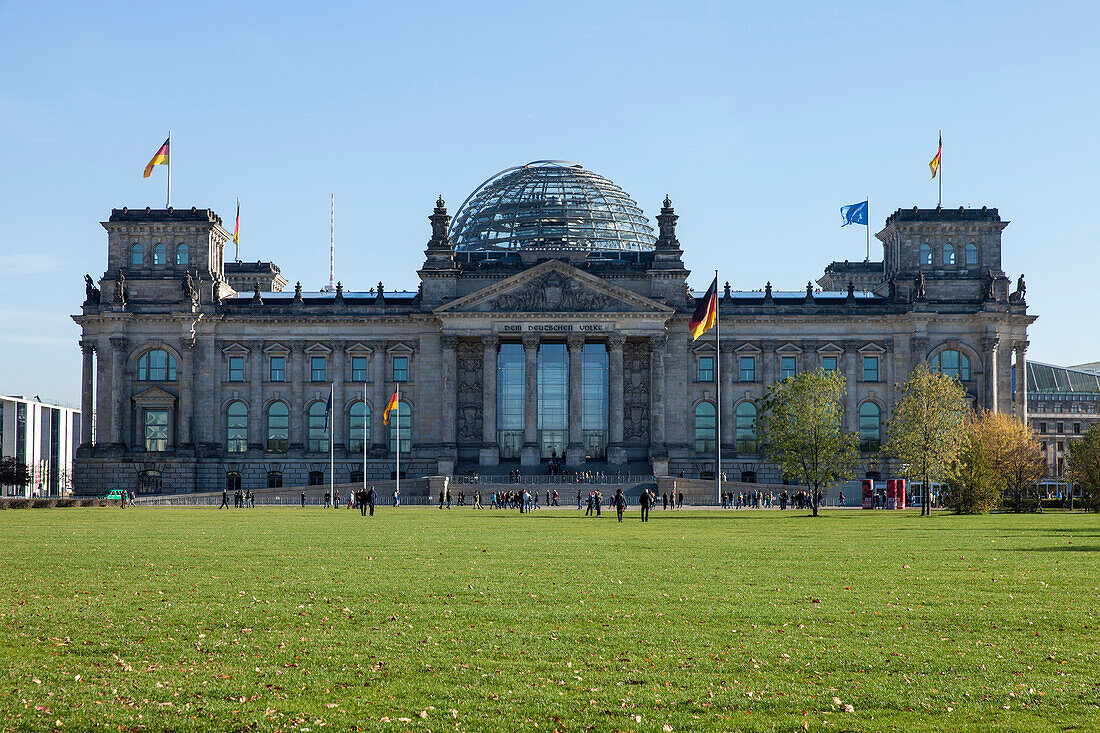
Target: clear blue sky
pixel 759 119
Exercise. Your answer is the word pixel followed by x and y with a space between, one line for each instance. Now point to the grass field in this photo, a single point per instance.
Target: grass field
pixel 420 619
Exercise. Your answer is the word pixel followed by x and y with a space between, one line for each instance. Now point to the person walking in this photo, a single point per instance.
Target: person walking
pixel 396 498
pixel 591 497
pixel 361 500
pixel 477 499
pixel 371 496
pixel 225 500
pixel 620 503
pixel 303 499
pixel 645 500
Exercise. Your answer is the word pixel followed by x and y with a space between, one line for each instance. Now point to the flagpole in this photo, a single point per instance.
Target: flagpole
pixel 397 424
pixel 718 391
pixel 364 436
pixel 868 228
pixel 939 169
pixel 168 199
pixel 331 448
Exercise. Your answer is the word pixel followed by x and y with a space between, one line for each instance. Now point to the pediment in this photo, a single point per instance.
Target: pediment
pixel 554 287
pixel 872 349
pixel 830 349
pixel 788 349
pixel 154 396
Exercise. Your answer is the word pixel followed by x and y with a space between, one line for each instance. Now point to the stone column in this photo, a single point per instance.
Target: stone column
pixel 103 395
pixel 657 396
pixel 119 400
pixel 769 365
pixel 989 356
pixel 616 449
pixel 728 419
pixel 854 387
pixel 256 396
pixel 489 454
pixel 87 392
pixel 339 417
pixel 379 441
pixel 448 375
pixel 186 402
pixel 574 450
pixel 529 454
pixel 1021 380
pixel 297 365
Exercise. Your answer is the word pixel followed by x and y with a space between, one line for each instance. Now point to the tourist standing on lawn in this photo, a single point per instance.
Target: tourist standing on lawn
pixel 371 496
pixel 646 499
pixel 361 500
pixel 620 502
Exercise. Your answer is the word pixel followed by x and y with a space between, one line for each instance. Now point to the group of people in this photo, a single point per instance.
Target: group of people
pixel 241 499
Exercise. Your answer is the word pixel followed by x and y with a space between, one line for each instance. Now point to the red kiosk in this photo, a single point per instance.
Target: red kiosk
pixel 868 494
pixel 895 494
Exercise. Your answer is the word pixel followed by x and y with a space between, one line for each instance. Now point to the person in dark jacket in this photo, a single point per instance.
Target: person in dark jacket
pixel 620 502
pixel 646 498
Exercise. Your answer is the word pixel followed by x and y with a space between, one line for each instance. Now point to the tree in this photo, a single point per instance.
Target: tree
pixel 1084 467
pixel 1016 460
pixel 927 428
pixel 802 427
pixel 13 472
pixel 975 486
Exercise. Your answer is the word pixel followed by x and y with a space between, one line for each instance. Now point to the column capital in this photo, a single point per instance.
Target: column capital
pixel 449 341
pixel 297 346
pixel 989 343
pixel 118 343
pixel 491 341
pixel 256 345
pixel 187 344
pixel 658 342
pixel 767 346
pixel 339 346
pixel 87 345
pixel 616 341
pixel 574 342
pixel 1020 346
pixel 531 340
pixel 726 348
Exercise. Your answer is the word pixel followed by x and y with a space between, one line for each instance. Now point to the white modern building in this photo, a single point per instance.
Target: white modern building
pixel 42 436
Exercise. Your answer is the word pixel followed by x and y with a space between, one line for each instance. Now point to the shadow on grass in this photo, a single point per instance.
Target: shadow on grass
pixel 1065 548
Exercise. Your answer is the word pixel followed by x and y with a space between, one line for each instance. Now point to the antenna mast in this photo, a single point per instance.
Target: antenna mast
pixel 332 245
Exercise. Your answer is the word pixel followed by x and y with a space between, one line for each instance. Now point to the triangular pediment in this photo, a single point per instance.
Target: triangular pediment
pixel 553 287
pixel 154 396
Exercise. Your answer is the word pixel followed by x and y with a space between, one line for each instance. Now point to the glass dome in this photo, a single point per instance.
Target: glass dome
pixel 552 205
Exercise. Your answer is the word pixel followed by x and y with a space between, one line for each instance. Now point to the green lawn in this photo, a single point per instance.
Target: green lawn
pixel 420 619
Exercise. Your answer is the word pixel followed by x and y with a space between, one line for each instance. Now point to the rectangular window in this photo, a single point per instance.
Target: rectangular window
pixel 748 368
pixel 156 430
pixel 236 369
pixel 870 369
pixel 1042 428
pixel 317 370
pixel 400 368
pixel 278 369
pixel 1077 428
pixel 1061 447
pixel 828 363
pixel 358 368
pixel 706 369
pixel 1061 428
pixel 786 367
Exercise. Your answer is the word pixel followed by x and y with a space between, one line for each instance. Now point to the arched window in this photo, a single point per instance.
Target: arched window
pixel 278 427
pixel 870 427
pixel 926 254
pixel 746 428
pixel 233 481
pixel 236 427
pixel 401 420
pixel 971 254
pixel 317 441
pixel 274 479
pixel 158 254
pixel 358 426
pixel 137 256
pixel 156 365
pixel 149 482
pixel 704 427
pixel 953 364
pixel 183 255
pixel 948 254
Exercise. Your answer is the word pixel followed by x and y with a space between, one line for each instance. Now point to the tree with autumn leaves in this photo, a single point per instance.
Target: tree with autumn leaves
pixel 1084 467
pixel 997 457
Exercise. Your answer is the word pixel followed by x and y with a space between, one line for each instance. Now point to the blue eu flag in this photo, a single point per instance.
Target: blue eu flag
pixel 854 214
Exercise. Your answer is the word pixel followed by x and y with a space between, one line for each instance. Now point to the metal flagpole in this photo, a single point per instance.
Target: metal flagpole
pixel 397 424
pixel 717 391
pixel 364 436
pixel 867 213
pixel 939 169
pixel 168 199
pixel 331 448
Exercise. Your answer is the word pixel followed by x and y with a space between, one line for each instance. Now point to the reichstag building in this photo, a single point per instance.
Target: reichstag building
pixel 550 321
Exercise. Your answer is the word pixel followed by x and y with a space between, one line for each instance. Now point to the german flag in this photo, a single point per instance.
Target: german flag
pixel 161 158
pixel 934 164
pixel 237 225
pixel 391 406
pixel 706 313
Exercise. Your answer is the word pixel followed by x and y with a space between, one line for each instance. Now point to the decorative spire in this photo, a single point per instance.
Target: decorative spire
pixel 809 292
pixel 339 292
pixel 441 226
pixel 666 225
pixel 381 292
pixel 298 292
pixel 726 290
pixel 768 291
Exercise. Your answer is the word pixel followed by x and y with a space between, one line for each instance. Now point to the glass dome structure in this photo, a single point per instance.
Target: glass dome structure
pixel 551 205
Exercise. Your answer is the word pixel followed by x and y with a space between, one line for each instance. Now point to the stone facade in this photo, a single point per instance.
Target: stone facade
pixel 238 357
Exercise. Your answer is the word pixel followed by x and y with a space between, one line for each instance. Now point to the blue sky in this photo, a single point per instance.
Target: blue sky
pixel 759 119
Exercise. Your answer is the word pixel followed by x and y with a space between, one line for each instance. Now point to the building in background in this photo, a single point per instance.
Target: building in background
pixel 1063 403
pixel 44 437
pixel 550 323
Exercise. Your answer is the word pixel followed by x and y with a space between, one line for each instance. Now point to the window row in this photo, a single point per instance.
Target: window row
pixel 318 369
pixel 948 256
pixel 745 438
pixel 277 427
pixel 788 367
pixel 160 255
